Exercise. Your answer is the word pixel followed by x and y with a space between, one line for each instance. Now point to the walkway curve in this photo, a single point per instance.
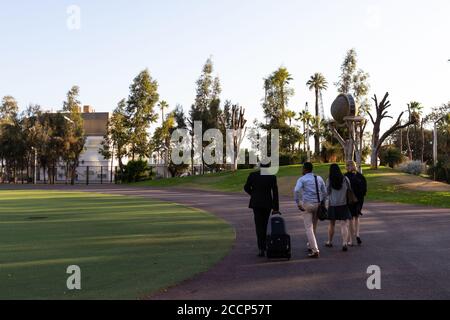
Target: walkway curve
pixel 411 245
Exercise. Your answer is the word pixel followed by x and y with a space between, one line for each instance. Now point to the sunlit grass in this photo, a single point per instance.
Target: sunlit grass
pixel 385 184
pixel 127 247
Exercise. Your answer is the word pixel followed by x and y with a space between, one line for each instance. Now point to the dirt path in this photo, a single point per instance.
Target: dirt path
pixel 411 244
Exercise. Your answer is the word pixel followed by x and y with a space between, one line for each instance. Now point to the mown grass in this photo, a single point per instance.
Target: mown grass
pixel 126 247
pixel 385 184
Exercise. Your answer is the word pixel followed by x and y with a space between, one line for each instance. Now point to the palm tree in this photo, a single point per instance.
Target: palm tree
pixel 163 105
pixel 290 115
pixel 281 79
pixel 317 82
pixel 305 118
pixel 317 126
pixel 415 111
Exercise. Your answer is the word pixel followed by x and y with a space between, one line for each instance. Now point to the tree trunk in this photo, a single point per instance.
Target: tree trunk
pixel 408 142
pixel 317 136
pixel 304 136
pixel 423 143
pixel 401 142
pixel 374 158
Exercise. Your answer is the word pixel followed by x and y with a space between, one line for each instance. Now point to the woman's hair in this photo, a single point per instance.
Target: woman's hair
pixel 336 177
pixel 351 166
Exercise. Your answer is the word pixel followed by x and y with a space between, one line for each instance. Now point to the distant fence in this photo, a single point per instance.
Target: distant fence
pixel 58 175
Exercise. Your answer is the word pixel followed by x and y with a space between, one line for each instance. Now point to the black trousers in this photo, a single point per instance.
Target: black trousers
pixel 261 221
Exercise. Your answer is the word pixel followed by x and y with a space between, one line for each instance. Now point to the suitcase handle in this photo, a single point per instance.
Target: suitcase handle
pixel 274 213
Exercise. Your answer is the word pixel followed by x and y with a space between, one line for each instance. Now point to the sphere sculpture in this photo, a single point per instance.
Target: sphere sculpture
pixel 344 106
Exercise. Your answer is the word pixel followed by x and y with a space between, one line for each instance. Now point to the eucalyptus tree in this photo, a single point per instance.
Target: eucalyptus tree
pixel 74 136
pixel 116 141
pixel 206 107
pixel 141 113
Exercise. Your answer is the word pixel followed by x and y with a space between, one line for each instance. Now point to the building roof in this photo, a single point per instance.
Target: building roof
pixel 95 124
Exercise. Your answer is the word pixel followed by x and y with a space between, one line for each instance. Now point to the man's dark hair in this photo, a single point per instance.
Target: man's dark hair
pixel 308 167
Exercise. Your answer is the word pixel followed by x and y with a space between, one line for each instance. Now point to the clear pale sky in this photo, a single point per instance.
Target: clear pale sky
pixel 404 45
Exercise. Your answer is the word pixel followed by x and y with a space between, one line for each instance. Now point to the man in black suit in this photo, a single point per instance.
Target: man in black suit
pixel 263 190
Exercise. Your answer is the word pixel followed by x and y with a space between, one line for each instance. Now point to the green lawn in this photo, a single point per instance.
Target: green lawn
pixel 126 247
pixel 385 184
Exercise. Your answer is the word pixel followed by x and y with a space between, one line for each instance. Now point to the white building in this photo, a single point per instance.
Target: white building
pixel 93 168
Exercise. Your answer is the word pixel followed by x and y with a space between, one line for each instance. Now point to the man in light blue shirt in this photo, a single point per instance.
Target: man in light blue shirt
pixel 305 196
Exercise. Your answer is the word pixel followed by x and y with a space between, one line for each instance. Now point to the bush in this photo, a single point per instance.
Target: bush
pixel 136 171
pixel 391 156
pixel 413 167
pixel 441 171
pixel 289 159
pixel 332 153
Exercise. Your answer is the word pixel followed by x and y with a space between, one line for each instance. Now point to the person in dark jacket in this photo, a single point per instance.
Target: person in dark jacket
pixel 359 187
pixel 263 190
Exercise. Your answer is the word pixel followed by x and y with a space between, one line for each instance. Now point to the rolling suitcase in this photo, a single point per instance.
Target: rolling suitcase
pixel 278 240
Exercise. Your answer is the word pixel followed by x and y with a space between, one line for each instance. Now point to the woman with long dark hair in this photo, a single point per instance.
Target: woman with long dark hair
pixel 359 186
pixel 337 186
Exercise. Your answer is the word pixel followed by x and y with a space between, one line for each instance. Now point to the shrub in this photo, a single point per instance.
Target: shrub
pixel 332 153
pixel 391 156
pixel 288 159
pixel 136 171
pixel 441 171
pixel 413 167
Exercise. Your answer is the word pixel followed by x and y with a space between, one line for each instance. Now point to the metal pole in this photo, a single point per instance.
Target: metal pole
pixel 87 175
pixel 101 175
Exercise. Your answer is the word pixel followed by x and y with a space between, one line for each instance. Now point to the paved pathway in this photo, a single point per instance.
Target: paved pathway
pixel 411 244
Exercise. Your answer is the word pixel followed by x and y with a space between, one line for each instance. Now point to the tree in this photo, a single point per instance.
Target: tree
pixel 115 143
pixel 12 140
pixel 140 112
pixel 415 110
pixel 290 115
pixel 235 120
pixel 163 105
pixel 353 80
pixel 317 127
pixel 306 118
pixel 74 138
pixel 382 113
pixel 206 107
pixel 317 83
pixel 9 109
pixel 32 130
pixel 390 155
pixel 161 140
pixel 277 95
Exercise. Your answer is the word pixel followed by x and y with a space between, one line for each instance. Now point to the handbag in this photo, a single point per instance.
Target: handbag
pixel 322 212
pixel 351 197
